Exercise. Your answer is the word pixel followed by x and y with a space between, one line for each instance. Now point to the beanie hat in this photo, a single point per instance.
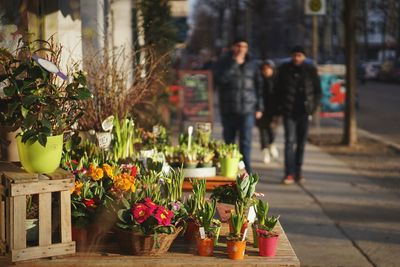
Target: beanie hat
pixel 268 62
pixel 298 49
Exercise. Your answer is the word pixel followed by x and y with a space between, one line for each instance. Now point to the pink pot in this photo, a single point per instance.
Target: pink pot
pixel 267 245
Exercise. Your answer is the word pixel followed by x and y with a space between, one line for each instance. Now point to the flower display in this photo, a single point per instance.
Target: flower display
pixel 95 173
pixel 164 216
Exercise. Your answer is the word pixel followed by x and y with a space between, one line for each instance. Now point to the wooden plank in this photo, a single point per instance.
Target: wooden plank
pixel 44 219
pixel 60 174
pixel 2 220
pixel 15 174
pixel 42 186
pixel 211 182
pixel 18 222
pixel 65 209
pixel 42 251
pixel 8 221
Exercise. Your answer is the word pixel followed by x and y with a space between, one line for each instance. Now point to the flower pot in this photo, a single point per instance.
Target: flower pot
pixel 32 230
pixel 191 165
pixel 135 243
pixel 267 245
pixel 192 230
pixel 38 159
pixel 205 246
pixel 229 167
pixel 207 164
pixel 80 236
pixel 236 249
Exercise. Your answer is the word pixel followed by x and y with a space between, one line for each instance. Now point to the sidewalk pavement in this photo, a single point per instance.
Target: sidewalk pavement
pixel 338 217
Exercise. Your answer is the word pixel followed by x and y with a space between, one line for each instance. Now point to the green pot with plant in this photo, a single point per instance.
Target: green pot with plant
pixel 40 103
pixel 236 243
pixel 229 157
pixel 206 157
pixel 267 238
pixel 190 157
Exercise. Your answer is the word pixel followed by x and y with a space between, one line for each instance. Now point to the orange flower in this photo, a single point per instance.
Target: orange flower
pixel 108 170
pixel 124 182
pixel 95 173
pixel 77 188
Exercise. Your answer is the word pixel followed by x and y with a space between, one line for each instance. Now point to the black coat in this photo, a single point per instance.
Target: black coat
pixel 239 86
pixel 269 96
pixel 287 88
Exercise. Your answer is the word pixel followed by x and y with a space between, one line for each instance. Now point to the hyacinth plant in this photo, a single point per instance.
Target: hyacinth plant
pixel 237 220
pixel 265 224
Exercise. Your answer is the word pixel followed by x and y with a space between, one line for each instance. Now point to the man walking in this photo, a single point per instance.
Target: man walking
pixel 299 93
pixel 239 98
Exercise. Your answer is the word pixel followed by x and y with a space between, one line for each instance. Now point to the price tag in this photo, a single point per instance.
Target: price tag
pixel 156 130
pixel 251 216
pixel 202 233
pixel 108 123
pixel 104 139
pixel 245 234
pixel 241 166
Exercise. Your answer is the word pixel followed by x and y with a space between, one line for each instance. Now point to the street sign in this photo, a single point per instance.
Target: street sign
pixel 315 7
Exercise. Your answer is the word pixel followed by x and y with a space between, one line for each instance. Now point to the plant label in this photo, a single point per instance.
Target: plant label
pixel 241 166
pixel 202 233
pixel 245 234
pixel 251 216
pixel 104 139
pixel 108 123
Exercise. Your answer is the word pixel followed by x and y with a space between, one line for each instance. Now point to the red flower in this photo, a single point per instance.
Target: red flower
pixel 140 212
pixel 164 216
pixel 133 171
pixel 150 204
pixel 90 203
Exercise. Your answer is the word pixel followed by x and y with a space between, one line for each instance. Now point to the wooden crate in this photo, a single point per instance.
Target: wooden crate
pixel 16 184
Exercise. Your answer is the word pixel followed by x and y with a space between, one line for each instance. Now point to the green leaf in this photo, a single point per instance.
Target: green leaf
pixel 9 91
pixel 29 100
pixel 24 111
pixel 12 107
pixel 42 138
pixel 84 93
pixel 46 123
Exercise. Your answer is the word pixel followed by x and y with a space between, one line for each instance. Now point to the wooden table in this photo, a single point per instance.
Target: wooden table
pixel 211 182
pixel 181 254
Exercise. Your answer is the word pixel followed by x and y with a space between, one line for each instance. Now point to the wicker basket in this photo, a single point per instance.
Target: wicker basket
pixel 134 243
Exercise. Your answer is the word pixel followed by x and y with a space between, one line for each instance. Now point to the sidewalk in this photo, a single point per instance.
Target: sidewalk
pixel 337 218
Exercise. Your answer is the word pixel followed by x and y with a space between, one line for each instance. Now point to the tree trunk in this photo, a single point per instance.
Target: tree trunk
pixel 350 124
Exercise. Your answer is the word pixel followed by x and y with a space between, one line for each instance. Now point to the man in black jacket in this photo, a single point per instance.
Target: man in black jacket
pixel 299 93
pixel 240 103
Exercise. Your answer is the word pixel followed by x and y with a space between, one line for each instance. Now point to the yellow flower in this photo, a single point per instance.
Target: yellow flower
pixel 77 188
pixel 124 182
pixel 108 170
pixel 98 174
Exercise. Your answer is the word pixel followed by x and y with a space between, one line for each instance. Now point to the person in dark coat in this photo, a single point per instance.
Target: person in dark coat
pixel 299 93
pixel 268 123
pixel 238 80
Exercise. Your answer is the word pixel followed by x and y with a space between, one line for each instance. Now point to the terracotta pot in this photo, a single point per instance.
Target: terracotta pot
pixel 192 230
pixel 205 246
pixel 268 245
pixel 236 249
pixel 80 236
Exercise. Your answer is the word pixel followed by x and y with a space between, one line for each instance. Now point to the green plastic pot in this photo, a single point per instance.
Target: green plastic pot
pixel 229 167
pixel 36 158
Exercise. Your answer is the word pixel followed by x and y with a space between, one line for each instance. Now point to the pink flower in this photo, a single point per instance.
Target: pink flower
pixel 150 205
pixel 140 212
pixel 164 216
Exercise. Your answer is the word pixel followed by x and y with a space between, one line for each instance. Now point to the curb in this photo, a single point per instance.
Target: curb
pixel 380 139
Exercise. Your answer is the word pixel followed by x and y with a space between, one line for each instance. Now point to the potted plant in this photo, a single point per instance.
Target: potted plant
pixel 236 244
pixel 40 103
pixel 192 204
pixel 208 227
pixel 190 157
pixel 146 228
pixel 206 157
pixel 267 238
pixel 229 157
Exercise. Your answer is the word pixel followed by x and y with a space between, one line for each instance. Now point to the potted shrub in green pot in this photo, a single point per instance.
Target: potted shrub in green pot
pixel 267 238
pixel 40 103
pixel 229 157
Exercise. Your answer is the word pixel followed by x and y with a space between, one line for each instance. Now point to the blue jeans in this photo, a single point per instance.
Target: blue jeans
pixel 242 123
pixel 296 130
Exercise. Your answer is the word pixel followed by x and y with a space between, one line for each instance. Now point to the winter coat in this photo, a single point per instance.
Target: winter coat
pixel 287 88
pixel 239 86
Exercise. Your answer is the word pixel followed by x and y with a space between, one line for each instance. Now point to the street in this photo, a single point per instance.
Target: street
pixel 379 109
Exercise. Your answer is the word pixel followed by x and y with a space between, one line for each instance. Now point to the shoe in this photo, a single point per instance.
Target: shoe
pixel 267 157
pixel 273 151
pixel 288 180
pixel 300 180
